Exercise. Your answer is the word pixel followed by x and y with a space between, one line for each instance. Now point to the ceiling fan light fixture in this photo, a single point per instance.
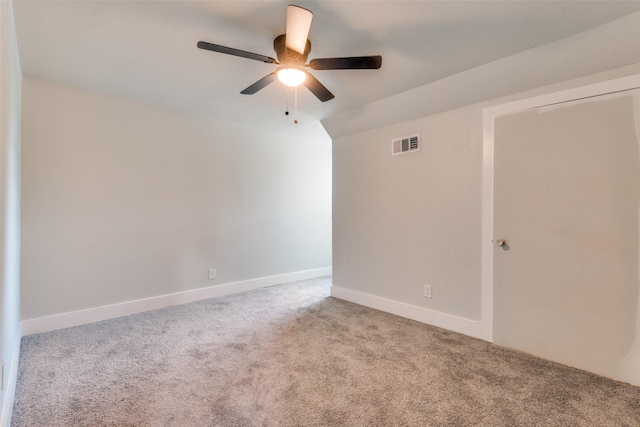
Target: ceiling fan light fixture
pixel 291 76
pixel 292 50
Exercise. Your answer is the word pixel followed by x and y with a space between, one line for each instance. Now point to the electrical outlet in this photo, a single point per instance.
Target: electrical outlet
pixel 427 291
pixel 212 273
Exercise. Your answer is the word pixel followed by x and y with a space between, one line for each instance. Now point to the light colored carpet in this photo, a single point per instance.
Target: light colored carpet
pixel 290 355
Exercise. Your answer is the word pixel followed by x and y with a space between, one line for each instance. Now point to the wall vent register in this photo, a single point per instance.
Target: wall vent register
pixel 405 145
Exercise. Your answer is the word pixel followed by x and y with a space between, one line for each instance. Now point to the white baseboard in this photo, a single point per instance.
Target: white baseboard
pixel 90 315
pixel 12 372
pixel 461 325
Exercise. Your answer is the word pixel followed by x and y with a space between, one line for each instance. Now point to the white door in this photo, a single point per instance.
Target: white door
pixel 566 198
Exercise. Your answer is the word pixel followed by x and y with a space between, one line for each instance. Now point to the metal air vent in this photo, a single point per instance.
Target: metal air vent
pixel 405 144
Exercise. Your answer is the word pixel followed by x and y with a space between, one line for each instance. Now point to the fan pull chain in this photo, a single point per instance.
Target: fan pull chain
pixel 286 101
pixel 295 105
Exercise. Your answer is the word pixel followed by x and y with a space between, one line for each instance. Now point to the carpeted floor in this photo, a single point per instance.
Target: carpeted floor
pixel 290 355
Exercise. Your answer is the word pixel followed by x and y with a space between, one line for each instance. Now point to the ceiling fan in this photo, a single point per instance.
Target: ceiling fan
pixel 292 50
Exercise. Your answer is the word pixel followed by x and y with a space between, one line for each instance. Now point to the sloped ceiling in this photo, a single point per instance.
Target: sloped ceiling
pixel 146 50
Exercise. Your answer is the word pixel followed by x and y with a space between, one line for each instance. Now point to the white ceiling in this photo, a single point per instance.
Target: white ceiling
pixel 146 50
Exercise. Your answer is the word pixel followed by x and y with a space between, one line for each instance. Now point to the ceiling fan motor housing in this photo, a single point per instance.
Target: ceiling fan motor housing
pixel 289 56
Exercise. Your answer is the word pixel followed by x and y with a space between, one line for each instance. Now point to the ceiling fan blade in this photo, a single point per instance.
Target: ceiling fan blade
pixel 318 89
pixel 236 52
pixel 298 25
pixel 260 84
pixel 351 63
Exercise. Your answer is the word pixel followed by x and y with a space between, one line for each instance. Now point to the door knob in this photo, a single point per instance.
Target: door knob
pixel 500 242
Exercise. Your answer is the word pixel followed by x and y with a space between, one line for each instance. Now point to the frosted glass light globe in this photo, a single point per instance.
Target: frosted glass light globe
pixel 291 77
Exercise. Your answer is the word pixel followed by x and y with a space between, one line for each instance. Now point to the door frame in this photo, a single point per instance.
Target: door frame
pixel 489 116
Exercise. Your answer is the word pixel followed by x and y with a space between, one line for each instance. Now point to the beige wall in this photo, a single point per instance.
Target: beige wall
pixel 404 221
pixel 123 201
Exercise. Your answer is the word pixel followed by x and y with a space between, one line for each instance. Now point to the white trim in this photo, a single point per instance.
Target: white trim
pixel 487 227
pixel 489 116
pixel 461 325
pixel 96 314
pixel 12 372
